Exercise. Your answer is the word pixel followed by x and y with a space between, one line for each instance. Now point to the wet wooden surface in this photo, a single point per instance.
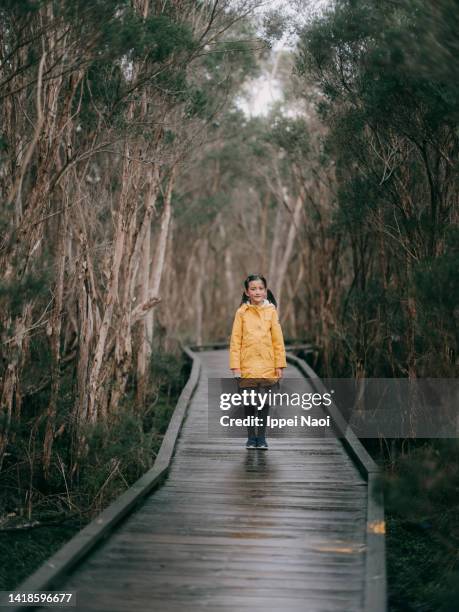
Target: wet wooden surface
pixel 234 529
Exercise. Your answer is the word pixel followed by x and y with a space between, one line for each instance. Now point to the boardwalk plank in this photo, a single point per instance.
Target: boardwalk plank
pixel 232 529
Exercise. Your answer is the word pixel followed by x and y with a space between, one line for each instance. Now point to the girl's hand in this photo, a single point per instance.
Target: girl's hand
pixel 237 373
pixel 279 372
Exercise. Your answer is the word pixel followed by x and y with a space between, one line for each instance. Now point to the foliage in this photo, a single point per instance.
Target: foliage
pixel 420 490
pixel 392 134
pixel 290 135
pixel 27 550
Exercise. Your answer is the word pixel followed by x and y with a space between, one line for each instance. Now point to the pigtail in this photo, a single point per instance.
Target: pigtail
pixel 245 298
pixel 271 297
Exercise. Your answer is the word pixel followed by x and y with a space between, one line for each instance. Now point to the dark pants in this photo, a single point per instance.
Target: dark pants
pixel 252 410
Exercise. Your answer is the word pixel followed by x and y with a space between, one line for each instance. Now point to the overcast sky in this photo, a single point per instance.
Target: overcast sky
pixel 266 90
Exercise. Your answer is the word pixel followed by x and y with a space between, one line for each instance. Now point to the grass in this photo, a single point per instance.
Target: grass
pixel 27 550
pixel 420 578
pixel 421 490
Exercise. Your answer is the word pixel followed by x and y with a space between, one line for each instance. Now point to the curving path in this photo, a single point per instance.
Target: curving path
pixel 234 530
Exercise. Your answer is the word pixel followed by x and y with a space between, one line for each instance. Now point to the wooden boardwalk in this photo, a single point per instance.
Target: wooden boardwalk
pixel 235 530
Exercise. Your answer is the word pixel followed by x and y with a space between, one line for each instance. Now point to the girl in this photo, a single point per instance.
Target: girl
pixel 257 352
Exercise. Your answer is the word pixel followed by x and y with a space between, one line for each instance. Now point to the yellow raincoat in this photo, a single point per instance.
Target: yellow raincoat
pixel 257 344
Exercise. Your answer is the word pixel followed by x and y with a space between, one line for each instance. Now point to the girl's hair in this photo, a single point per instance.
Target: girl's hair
pixel 252 277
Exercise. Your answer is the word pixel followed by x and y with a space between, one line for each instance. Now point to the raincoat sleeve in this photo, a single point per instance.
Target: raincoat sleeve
pixel 278 343
pixel 236 342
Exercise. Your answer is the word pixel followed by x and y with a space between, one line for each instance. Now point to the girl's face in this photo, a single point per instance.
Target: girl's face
pixel 256 292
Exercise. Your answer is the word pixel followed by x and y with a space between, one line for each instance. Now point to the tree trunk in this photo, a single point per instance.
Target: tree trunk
pixel 151 290
pixel 111 295
pixel 288 248
pixel 54 333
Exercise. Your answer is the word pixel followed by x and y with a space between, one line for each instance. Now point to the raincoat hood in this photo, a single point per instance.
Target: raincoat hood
pixel 263 305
